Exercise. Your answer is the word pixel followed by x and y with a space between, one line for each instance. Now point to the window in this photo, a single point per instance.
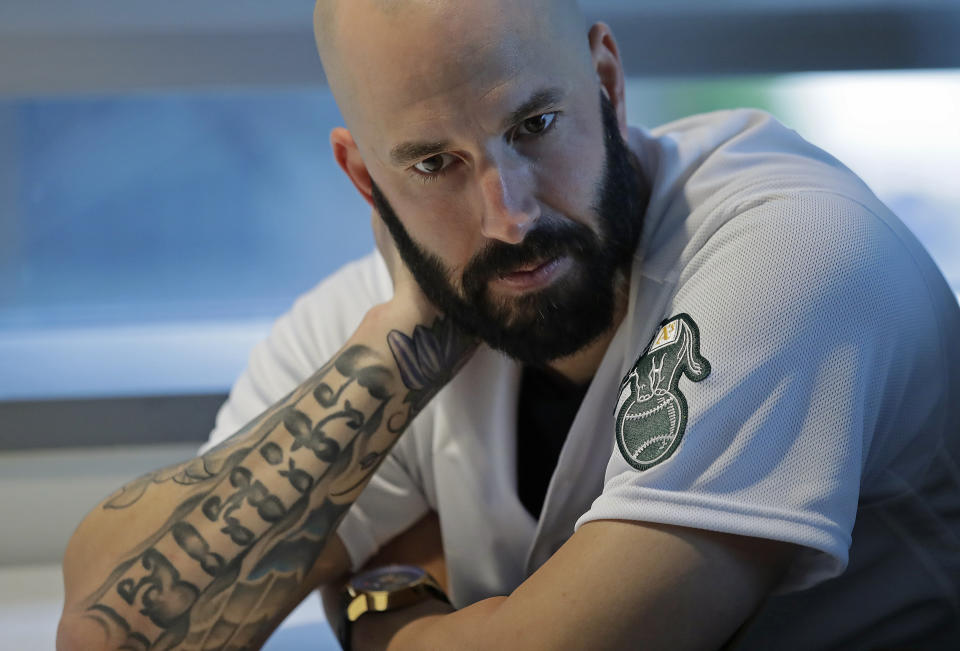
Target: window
pixel 147 241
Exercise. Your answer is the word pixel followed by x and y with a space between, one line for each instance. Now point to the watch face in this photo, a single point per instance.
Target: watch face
pixel 388 578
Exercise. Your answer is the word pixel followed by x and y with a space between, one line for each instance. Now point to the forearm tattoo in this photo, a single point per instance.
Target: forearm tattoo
pixel 264 503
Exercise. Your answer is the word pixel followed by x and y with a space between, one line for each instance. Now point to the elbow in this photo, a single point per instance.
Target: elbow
pixel 74 559
pixel 71 635
pixel 75 632
pixel 89 557
pixel 68 638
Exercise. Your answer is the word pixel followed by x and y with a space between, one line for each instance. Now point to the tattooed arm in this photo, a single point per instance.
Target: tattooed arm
pixel 212 553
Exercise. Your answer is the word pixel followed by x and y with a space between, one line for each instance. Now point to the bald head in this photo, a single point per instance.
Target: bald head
pixel 367 44
pixel 326 12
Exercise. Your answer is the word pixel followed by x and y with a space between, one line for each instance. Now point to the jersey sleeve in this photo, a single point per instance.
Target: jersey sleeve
pixel 752 409
pixel 299 343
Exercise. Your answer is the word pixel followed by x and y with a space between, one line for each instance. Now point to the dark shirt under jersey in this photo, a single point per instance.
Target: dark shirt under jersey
pixel 547 406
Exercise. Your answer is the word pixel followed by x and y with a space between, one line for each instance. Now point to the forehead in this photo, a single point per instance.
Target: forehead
pixel 457 61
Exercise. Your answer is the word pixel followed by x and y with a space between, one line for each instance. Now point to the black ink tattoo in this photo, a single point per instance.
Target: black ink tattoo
pixel 260 508
pixel 428 360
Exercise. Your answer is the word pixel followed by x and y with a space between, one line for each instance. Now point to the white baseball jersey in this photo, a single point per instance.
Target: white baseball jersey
pixel 789 368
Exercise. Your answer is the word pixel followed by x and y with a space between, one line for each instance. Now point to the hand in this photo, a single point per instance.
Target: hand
pixel 406 290
pixel 430 330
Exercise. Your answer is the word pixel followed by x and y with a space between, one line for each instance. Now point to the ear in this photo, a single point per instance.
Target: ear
pixel 347 155
pixel 609 68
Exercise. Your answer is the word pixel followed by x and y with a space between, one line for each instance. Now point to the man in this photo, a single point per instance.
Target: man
pixel 755 439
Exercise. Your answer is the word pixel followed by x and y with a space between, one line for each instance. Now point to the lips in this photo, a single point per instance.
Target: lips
pixel 532 276
pixel 531 268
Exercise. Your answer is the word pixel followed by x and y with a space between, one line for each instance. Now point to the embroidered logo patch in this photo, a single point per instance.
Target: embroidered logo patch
pixel 652 412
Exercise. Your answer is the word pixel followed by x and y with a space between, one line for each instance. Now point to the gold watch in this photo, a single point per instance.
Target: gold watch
pixel 382 589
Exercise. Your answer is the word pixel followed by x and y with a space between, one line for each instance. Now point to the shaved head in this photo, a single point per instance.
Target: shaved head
pixel 358 38
pixel 326 11
pixel 325 15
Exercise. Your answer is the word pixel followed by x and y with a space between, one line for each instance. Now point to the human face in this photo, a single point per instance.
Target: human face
pixel 481 124
pixel 574 271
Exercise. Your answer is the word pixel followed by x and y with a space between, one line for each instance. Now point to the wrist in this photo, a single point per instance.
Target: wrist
pixel 399 314
pixel 413 305
pixel 377 603
pixel 399 322
pixel 426 354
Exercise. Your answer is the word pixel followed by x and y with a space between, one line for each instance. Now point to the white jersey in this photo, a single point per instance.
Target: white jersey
pixel 789 368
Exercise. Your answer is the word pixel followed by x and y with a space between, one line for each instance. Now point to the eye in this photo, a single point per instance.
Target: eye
pixel 433 165
pixel 535 125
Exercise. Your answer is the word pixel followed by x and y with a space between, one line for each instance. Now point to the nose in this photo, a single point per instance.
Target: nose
pixel 509 206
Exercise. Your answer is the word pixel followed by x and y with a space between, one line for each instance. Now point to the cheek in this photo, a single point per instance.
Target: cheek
pixel 566 189
pixel 570 172
pixel 443 228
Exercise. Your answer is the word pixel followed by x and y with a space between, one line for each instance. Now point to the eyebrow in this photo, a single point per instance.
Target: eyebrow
pixel 408 152
pixel 540 100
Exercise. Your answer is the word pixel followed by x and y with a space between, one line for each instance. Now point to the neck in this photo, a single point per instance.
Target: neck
pixel 580 367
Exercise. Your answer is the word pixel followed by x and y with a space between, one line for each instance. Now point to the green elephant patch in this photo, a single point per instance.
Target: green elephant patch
pixel 652 419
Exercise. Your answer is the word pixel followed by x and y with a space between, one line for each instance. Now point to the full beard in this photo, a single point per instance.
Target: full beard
pixel 575 309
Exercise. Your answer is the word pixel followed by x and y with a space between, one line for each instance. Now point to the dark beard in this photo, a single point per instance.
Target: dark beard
pixel 575 309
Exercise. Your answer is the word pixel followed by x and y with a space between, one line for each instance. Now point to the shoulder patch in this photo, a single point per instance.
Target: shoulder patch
pixel 652 417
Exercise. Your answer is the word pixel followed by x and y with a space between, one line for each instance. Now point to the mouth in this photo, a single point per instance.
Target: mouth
pixel 532 276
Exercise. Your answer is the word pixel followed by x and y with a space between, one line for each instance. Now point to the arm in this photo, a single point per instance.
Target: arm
pixel 620 585
pixel 214 552
pixel 420 545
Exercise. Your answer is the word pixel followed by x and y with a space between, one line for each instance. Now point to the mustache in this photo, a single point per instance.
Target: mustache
pixel 550 238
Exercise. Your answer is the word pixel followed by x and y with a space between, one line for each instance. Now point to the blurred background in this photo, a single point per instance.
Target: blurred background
pixel 167 190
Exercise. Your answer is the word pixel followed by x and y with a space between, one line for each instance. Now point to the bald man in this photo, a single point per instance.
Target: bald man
pixel 612 388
